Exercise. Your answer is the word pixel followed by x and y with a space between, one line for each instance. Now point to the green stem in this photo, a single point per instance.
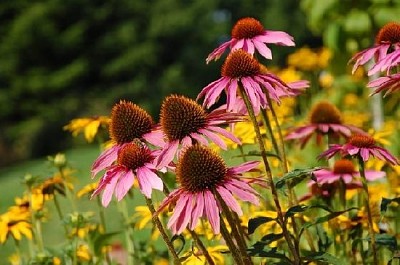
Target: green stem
pixel 274 192
pixel 368 208
pixel 229 242
pixel 101 213
pixel 164 235
pixel 235 230
pixel 67 191
pixel 129 238
pixel 267 124
pixel 60 214
pixel 39 236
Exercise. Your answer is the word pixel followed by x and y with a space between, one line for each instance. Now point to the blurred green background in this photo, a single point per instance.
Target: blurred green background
pixel 65 59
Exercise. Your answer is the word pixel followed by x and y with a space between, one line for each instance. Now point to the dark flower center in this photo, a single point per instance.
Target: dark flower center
pixel 325 112
pixel 129 121
pixel 361 140
pixel 200 169
pixel 134 155
pixel 343 166
pixel 390 33
pixel 181 116
pixel 240 63
pixel 247 28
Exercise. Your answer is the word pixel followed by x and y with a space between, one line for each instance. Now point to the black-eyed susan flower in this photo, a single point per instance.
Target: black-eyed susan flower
pixel 386 50
pixel 128 122
pixel 15 224
pixel 202 174
pixel 184 122
pixel 325 119
pixel 240 68
pixel 360 145
pixel 89 126
pixel 249 34
pixel 134 161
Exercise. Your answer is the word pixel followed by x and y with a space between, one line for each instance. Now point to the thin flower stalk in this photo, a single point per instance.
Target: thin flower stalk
pixel 60 214
pixel 129 238
pixel 231 245
pixel 160 228
pixel 368 208
pixel 241 244
pixel 274 192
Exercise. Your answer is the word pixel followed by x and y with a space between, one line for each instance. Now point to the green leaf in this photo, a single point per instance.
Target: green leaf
pixel 385 203
pixel 269 253
pixel 296 209
pixel 258 153
pixel 182 242
pixel 268 239
pixel 323 257
pixel 295 176
pixel 386 240
pixel 101 240
pixel 256 222
pixel 357 21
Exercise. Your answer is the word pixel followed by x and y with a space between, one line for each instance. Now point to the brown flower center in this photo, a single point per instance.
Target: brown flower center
pixel 361 140
pixel 200 168
pixel 129 121
pixel 240 63
pixel 390 33
pixel 247 28
pixel 181 116
pixel 343 166
pixel 325 112
pixel 134 155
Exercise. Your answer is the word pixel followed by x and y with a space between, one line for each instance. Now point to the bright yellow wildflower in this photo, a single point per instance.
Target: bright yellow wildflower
pixel 15 259
pixel 144 219
pixel 89 126
pixel 324 57
pixel 304 59
pixel 197 258
pixel 56 261
pixel 326 79
pixel 83 253
pixel 82 232
pixel 87 190
pixel 289 74
pixel 14 224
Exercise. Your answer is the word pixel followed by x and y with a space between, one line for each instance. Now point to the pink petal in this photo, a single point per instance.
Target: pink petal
pixel 243 167
pixel 371 175
pixel 168 153
pixel 200 138
pixel 125 182
pixel 108 192
pixel 214 137
pixel 242 194
pixel 212 211
pixel 105 159
pixel 155 138
pixel 180 206
pixel 198 210
pixel 229 200
pixel 263 49
pixel 225 133
pixel 215 54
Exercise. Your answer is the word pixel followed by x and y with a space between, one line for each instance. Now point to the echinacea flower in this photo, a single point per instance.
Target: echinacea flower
pixel 325 119
pixel 202 174
pixel 184 122
pixel 327 180
pixel 386 50
pixel 389 84
pixel 135 161
pixel 360 145
pixel 241 69
pixel 249 34
pixel 128 122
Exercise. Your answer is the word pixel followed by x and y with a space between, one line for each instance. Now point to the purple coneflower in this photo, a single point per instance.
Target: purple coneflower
pixel 327 180
pixel 128 122
pixel 202 173
pixel 386 50
pixel 325 119
pixel 360 145
pixel 249 34
pixel 184 122
pixel 241 69
pixel 135 161
pixel 390 84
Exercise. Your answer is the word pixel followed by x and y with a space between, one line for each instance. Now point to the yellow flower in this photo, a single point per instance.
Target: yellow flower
pixel 381 135
pixel 144 217
pixel 56 261
pixel 89 126
pixel 289 74
pixel 87 190
pixel 81 232
pixel 304 59
pixel 83 253
pixel 196 257
pixel 14 224
pixel 14 259
pixel 326 79
pixel 324 56
pixel 355 118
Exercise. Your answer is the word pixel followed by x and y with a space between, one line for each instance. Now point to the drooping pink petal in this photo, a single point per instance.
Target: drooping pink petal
pixel 214 137
pixel 229 200
pixel 184 219
pixel 179 209
pixel 231 94
pixel 364 152
pixel 243 167
pixel 155 138
pixel 276 37
pixel 242 194
pixel 237 44
pixel 372 175
pixel 125 182
pixel 108 192
pixel 168 153
pixel 262 49
pixel 105 159
pixel 200 138
pixel 170 198
pixel 215 54
pixel 111 173
pixel 198 210
pixel 225 133
pixel 212 211
pixel 249 46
